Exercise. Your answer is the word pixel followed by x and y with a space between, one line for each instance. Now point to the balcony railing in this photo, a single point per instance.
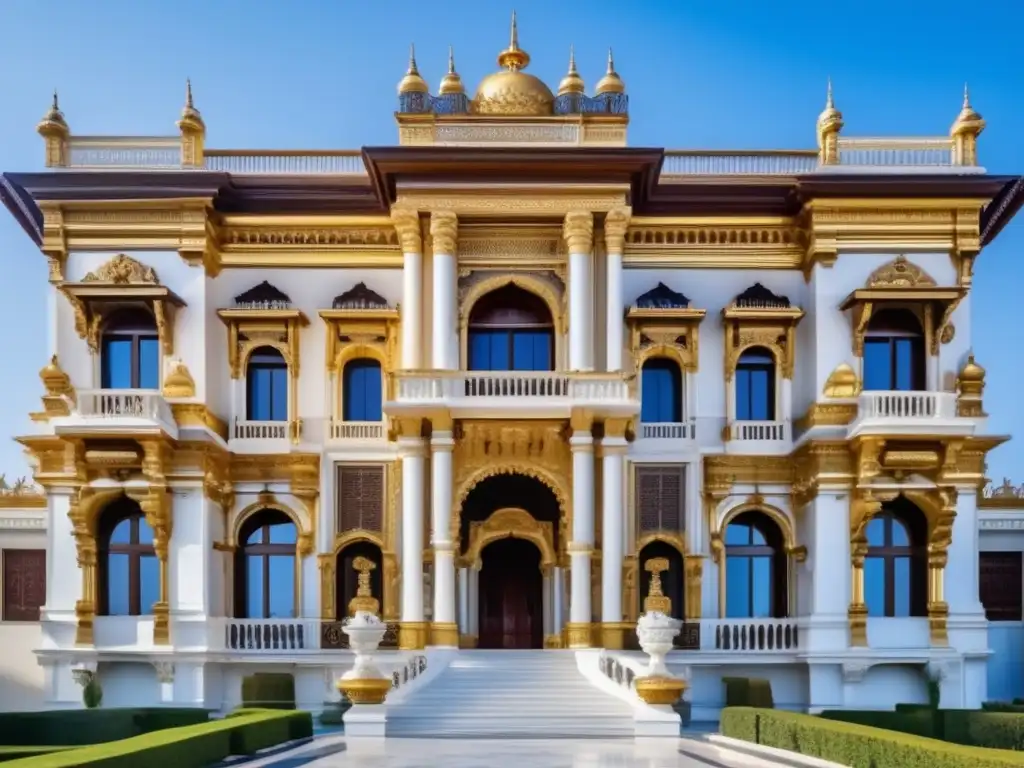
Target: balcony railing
pixel 907 405
pixel 752 635
pixel 760 431
pixel 357 430
pixel 260 430
pixel 669 430
pixel 271 635
pixel 120 409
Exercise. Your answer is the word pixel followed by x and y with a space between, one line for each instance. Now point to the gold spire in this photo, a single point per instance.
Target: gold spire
pixel 412 82
pixel 190 116
pixel 572 82
pixel 830 114
pixel 451 82
pixel 611 82
pixel 53 121
pixel 967 113
pixel 514 58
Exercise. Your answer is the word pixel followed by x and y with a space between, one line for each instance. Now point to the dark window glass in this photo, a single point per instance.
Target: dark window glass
pixel 1000 585
pixel 130 352
pixel 756 575
pixel 362 391
pixel 755 386
pixel 895 568
pixel 129 572
pixel 511 330
pixel 661 391
pixel 24 583
pixel 894 355
pixel 267 384
pixel 265 570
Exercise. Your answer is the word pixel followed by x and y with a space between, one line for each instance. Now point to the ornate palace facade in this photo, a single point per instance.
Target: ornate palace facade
pixel 503 382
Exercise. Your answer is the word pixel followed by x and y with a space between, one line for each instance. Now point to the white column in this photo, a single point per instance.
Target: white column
pixel 579 235
pixel 407 224
pixel 582 444
pixel 546 592
pixel 615 225
pixel 412 450
pixel 613 530
pixel 464 601
pixel 445 631
pixel 444 228
pixel 474 602
pixel 558 599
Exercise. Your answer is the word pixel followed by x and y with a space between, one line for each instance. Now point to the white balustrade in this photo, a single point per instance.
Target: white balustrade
pixel 340 162
pixel 760 431
pixel 928 152
pixel 271 635
pixel 710 163
pixel 124 152
pixel 754 635
pixel 357 430
pixel 683 430
pixel 907 405
pixel 510 387
pixel 261 430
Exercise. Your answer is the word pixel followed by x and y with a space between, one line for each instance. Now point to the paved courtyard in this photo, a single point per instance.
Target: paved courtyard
pixel 334 752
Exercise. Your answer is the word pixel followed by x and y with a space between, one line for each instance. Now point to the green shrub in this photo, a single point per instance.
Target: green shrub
pixel 16 753
pixel 748 692
pixel 78 727
pixel 92 693
pixel 269 690
pixel 918 722
pixel 1001 706
pixel 969 727
pixel 192 746
pixel 859 746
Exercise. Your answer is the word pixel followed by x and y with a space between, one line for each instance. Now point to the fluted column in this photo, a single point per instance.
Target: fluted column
pixel 613 530
pixel 412 449
pixel 407 224
pixel 579 236
pixel 615 225
pixel 444 230
pixel 444 630
pixel 578 631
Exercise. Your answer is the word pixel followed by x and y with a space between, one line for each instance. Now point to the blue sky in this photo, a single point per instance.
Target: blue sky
pixel 322 74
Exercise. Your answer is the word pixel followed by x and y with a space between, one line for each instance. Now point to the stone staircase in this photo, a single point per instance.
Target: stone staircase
pixel 537 694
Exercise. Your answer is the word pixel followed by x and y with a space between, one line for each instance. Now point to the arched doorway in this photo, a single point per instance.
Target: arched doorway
pixel 346 575
pixel 671 579
pixel 511 601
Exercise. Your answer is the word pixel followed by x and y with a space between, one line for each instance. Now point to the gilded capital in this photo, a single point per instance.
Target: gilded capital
pixel 444 231
pixel 615 225
pixel 407 225
pixel 578 231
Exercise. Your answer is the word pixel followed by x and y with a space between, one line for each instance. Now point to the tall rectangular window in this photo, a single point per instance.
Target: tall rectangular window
pixel 1000 585
pixel 24 583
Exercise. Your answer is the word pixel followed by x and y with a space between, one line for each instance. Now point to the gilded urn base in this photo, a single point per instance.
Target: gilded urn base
pixel 659 690
pixel 365 691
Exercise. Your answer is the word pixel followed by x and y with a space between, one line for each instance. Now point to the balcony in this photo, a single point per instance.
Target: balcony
pixel 254 436
pixel 750 635
pixel 908 413
pixel 759 437
pixel 351 431
pixel 512 394
pixel 129 412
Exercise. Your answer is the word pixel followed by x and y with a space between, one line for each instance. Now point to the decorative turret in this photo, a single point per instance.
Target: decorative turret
pixel 451 83
pixel 193 131
pixel 970 385
pixel 511 91
pixel 965 132
pixel 830 123
pixel 572 82
pixel 412 82
pixel 611 82
pixel 55 132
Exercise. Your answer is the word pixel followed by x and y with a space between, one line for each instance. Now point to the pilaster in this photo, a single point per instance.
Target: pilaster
pixel 578 231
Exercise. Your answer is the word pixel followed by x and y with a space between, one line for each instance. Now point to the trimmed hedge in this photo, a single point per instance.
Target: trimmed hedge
pixel 269 690
pixel 858 746
pixel 193 746
pixel 79 727
pixel 16 753
pixel 748 692
pixel 968 727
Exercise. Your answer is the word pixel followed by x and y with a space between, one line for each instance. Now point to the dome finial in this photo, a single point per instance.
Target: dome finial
pixel 513 58
pixel 188 94
pixel 412 82
pixel 611 82
pixel 451 82
pixel 829 104
pixel 190 117
pixel 572 82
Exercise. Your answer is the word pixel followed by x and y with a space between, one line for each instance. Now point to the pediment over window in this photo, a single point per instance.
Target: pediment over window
pixel 758 317
pixel 360 324
pixel 661 324
pixel 263 316
pixel 263 296
pixel 359 297
pixel 901 284
pixel 121 283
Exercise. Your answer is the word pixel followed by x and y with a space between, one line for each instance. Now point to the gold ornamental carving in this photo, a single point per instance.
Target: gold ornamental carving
pixel 657 600
pixel 364 599
pixel 59 394
pixel 770 327
pixel 488 203
pixel 842 383
pixel 537 449
pixel 900 273
pixel 673 333
pixel 734 242
pixel 444 232
pixel 123 270
pixel 616 223
pixel 578 231
pixel 407 225
pixel 516 523
pixel 178 383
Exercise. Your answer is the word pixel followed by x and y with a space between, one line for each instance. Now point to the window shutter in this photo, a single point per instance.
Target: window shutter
pixel 24 574
pixel 360 502
pixel 1000 585
pixel 660 497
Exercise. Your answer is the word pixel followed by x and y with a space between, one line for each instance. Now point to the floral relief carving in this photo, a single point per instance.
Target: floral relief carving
pixel 123 270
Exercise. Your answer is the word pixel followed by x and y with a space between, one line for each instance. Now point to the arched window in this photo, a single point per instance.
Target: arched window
pixel 130 351
pixel 361 390
pixel 755 385
pixel 511 330
pixel 894 354
pixel 661 391
pixel 265 574
pixel 266 379
pixel 129 572
pixel 756 574
pixel 896 567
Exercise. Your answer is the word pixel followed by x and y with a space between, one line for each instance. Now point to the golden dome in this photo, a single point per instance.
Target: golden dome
pixel 572 82
pixel 967 114
pixel 412 82
pixel 972 371
pixel 53 122
pixel 611 82
pixel 511 91
pixel 451 82
pixel 830 116
pixel 179 382
pixel 190 117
